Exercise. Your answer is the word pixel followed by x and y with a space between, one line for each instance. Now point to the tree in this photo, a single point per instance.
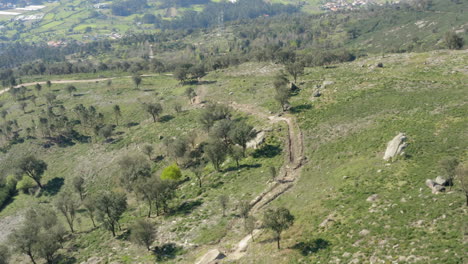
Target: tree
pixel 4 113
pixel 4 254
pixel 249 225
pixel 23 106
pixel 132 168
pixel 190 93
pixel 33 168
pixel 90 205
pixel 148 150
pixel 71 89
pixel 136 80
pixel 78 184
pixel 38 88
pixel 278 220
pixel 222 131
pixel 213 113
pixel 154 109
pixel 177 148
pixel 198 172
pixel 49 84
pixel 105 131
pixel 244 209
pixel 40 234
pixel 453 41
pixel 223 202
pixel 216 153
pixel 272 170
pixel 148 190
pixel 171 172
pixel 448 166
pixel 237 154
pixel 282 91
pixel 295 69
pixel 110 207
pixel 143 233
pixel 241 134
pixel 68 205
pixel 181 72
pixel 117 113
pixel 462 175
pixel 50 99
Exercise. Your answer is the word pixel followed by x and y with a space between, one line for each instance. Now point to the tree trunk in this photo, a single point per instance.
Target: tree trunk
pixel 70 224
pixel 92 220
pixel 466 194
pixel 31 257
pixel 278 242
pixel 199 182
pixel 149 210
pixel 113 229
pixel 39 184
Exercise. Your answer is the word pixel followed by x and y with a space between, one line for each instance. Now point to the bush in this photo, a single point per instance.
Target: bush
pixel 25 184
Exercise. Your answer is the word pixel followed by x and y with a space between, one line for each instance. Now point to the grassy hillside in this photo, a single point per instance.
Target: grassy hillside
pixel 362 107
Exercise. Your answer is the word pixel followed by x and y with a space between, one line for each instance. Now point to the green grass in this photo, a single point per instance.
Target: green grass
pixel 345 131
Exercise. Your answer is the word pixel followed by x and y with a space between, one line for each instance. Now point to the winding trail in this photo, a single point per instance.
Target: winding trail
pixel 287 176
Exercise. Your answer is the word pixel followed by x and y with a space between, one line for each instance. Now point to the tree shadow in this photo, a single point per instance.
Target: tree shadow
pixel 124 236
pixel 267 151
pixel 148 90
pixel 187 207
pixel 78 95
pixel 167 251
pixel 205 82
pixel 53 186
pixel 309 247
pixel 166 118
pixel 300 108
pixel 132 124
pixel 62 259
pixel 243 166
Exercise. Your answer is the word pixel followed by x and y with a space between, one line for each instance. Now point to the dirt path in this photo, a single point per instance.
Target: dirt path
pixel 72 81
pixel 287 176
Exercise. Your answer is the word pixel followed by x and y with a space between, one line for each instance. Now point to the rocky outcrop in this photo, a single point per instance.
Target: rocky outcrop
pixel 257 141
pixel 395 147
pixel 211 256
pixel 434 186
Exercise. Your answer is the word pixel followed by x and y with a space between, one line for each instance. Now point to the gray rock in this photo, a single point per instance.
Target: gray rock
pixel 441 181
pixel 364 232
pixel 430 183
pixel 257 141
pixel 395 146
pixel 327 222
pixel 434 186
pixel 316 94
pixel 373 198
pixel 326 83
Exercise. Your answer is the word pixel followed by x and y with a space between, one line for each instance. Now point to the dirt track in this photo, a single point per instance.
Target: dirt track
pixel 288 174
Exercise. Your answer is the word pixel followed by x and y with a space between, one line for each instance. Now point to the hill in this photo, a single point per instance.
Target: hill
pixel 344 133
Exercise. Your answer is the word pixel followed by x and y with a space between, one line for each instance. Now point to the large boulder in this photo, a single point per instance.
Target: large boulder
pixel 395 147
pixel 211 256
pixel 257 141
pixel 434 186
pixel 441 181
